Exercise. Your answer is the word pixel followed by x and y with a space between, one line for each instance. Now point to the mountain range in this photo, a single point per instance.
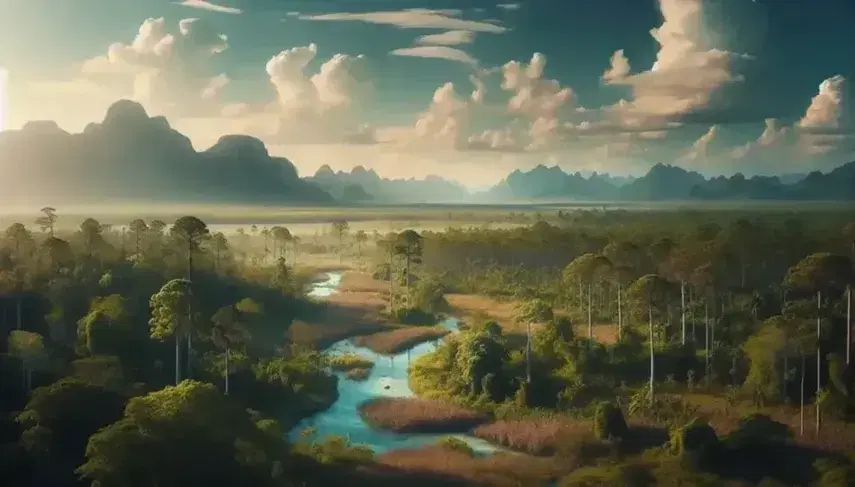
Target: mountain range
pixel 665 182
pixel 132 156
pixel 363 185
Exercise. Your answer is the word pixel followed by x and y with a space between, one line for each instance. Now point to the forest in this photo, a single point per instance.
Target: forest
pixel 589 347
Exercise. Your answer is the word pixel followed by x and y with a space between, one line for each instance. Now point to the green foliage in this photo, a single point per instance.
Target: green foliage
pixel 763 350
pixel 609 423
pixel 757 431
pixel 105 329
pixel 456 444
pixel 350 361
pixel 170 310
pixel 176 423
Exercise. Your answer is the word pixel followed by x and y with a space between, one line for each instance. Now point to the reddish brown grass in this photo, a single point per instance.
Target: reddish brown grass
pixel 398 340
pixel 412 415
pixel 534 436
pixel 457 468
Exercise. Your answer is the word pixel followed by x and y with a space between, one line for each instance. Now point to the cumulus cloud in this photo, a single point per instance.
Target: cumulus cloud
pixel 437 52
pixel 509 6
pixel 684 77
pixel 447 38
pixel 323 107
pixel 205 5
pixel 826 108
pixel 700 150
pixel 413 18
pixel 168 72
pixel 445 124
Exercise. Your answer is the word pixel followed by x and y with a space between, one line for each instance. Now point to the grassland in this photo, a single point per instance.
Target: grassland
pixel 413 415
pixel 393 342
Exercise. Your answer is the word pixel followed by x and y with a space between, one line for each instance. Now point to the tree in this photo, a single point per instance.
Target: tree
pixel 170 316
pixel 189 232
pixel 823 274
pixel 409 246
pixel 29 348
pixel 281 237
pixel 227 332
pixel 104 330
pixel 59 419
pixel 58 254
pixel 649 291
pixel 182 424
pixel 481 358
pixel 532 311
pixel 584 269
pixel 340 228
pixel 763 349
pixel 47 222
pixel 220 246
pixel 361 237
pixel 138 228
pixel 90 233
pixel 22 240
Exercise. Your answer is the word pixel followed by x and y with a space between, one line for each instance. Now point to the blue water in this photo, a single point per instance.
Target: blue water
pixel 389 371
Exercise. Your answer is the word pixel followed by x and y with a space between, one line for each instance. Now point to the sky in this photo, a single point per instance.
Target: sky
pixel 468 90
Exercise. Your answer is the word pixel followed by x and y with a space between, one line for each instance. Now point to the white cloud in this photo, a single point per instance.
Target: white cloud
pixel 323 107
pixel 826 108
pixel 414 18
pixel 685 75
pixel 436 52
pixel 447 38
pixel 167 72
pixel 509 6
pixel 205 5
pixel 700 150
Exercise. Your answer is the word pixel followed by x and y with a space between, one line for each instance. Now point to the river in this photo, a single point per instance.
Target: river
pixel 388 379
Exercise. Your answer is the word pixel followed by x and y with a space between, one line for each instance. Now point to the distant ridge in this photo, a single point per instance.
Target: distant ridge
pixel 130 155
pixel 666 182
pixel 347 186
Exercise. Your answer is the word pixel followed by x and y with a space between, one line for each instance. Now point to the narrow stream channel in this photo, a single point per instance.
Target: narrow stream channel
pixel 388 379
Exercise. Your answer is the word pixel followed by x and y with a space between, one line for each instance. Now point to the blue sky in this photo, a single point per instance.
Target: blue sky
pixel 736 87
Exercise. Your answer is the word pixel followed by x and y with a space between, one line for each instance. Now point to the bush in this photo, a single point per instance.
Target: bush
pixel 350 361
pixel 757 431
pixel 456 444
pixel 694 443
pixel 609 422
pixel 415 316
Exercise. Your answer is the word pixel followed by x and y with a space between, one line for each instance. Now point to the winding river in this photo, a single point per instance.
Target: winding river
pixel 388 379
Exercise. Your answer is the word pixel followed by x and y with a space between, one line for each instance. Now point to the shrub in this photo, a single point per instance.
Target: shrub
pixel 350 361
pixel 456 444
pixel 759 430
pixel 609 422
pixel 415 316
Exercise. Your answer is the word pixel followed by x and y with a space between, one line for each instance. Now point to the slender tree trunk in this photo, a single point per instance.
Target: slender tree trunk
pixel 18 311
pixel 818 356
pixel 581 298
pixel 650 341
pixel 619 315
pixel 848 322
pixel 784 378
pixel 226 373
pixel 391 280
pixel 590 319
pixel 189 356
pixel 802 404
pixel 707 341
pixel 177 360
pixel 528 352
pixel 683 310
pixel 407 283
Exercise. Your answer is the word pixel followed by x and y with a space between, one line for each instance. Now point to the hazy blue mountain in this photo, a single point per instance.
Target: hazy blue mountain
pixel 665 182
pixel 133 156
pixel 552 183
pixel 342 185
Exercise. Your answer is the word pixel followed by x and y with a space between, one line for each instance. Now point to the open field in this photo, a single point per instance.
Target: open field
pixel 307 220
pixel 395 341
pixel 455 468
pixel 504 313
pixel 413 415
